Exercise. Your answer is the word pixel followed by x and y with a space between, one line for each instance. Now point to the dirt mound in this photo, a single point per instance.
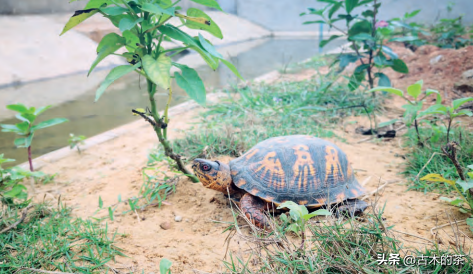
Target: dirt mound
pixel 440 69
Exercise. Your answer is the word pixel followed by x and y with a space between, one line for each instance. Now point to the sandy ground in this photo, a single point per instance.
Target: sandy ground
pixel 197 244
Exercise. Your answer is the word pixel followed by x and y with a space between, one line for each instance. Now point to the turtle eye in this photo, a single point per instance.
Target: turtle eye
pixel 205 167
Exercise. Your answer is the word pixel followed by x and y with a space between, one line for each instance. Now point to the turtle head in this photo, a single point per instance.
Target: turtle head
pixel 213 174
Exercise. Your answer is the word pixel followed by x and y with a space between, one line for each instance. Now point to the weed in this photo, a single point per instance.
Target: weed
pixel 51 239
pixel 340 246
pixel 76 141
pixel 421 161
pixel 252 114
pixel 27 126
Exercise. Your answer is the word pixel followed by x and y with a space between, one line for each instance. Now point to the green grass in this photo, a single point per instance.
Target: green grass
pixel 51 239
pixel 417 158
pixel 233 126
pixel 347 246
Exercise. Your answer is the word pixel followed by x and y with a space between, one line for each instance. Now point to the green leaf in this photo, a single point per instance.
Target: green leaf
pixel 209 47
pixel 313 22
pixel 24 141
pixel 232 68
pixel 320 212
pixel 191 83
pixel 395 91
pixel 465 185
pixel 78 17
pixel 165 266
pixel 390 52
pixel 387 123
pixel 431 91
pixel 110 213
pixel 464 112
pixel 211 60
pixel 41 110
pixel 158 71
pixel 434 109
pixel 383 80
pixel 399 66
pixel 15 191
pixel 357 78
pixel 335 7
pixel 100 202
pixel 346 59
pixel 127 23
pixel 458 102
pixel 412 14
pixel 415 90
pixel 97 4
pixel 325 42
pixel 212 28
pixel 177 34
pixel 157 9
pixel 18 108
pixel 114 11
pixel 361 37
pixel 360 27
pixel 49 123
pixel 108 45
pixel 404 39
pixel 113 75
pixel 350 5
pixel 293 227
pixel 12 128
pixel 209 3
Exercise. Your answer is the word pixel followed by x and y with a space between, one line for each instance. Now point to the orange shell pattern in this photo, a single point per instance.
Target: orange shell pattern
pixel 299 168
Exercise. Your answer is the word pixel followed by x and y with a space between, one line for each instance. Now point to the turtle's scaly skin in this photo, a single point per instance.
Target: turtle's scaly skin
pixel 303 169
pixel 251 206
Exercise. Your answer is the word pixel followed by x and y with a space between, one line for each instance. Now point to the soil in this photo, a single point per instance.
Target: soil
pixel 196 244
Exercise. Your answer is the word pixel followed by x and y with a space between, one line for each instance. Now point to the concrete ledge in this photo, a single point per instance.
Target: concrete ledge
pixel 101 138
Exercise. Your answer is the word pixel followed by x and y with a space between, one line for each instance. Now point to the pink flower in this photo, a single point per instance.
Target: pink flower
pixel 381 24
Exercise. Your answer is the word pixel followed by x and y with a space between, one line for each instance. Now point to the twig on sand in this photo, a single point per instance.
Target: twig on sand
pixel 23 216
pixel 365 181
pixel 416 236
pixel 440 226
pixel 365 140
pixel 379 188
pixel 426 164
pixel 42 271
pixel 137 216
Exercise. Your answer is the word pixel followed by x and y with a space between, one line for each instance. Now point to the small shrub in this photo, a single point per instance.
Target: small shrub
pixel 76 141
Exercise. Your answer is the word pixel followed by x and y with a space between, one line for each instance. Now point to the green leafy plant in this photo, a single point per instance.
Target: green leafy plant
pixel 299 215
pixel 450 112
pixel 366 36
pixel 144 27
pixel 413 108
pixel 450 33
pixel 165 266
pixel 27 126
pixel 463 188
pixel 75 141
pixel 411 34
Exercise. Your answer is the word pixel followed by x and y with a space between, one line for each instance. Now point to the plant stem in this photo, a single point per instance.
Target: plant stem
pixel 166 116
pixel 30 160
pixel 419 141
pixel 448 129
pixel 158 127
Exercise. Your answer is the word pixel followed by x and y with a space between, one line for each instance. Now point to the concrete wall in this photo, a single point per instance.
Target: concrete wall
pixel 283 15
pixel 53 6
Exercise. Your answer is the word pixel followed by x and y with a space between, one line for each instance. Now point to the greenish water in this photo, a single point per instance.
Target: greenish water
pixel 114 107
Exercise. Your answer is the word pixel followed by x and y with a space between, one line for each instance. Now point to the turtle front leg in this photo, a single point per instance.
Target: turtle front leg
pixel 253 208
pixel 351 208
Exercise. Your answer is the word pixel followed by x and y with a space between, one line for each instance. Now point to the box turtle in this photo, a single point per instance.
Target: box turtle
pixel 306 170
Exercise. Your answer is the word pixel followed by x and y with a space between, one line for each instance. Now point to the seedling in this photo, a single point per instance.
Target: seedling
pixel 300 215
pixel 27 127
pixel 165 266
pixel 75 141
pixel 143 24
pixel 463 188
pixel 366 35
pixel 412 109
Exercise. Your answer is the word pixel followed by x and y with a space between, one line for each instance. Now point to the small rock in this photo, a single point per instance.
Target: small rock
pixel 186 220
pixel 436 59
pixel 165 225
pixel 467 74
pixel 178 218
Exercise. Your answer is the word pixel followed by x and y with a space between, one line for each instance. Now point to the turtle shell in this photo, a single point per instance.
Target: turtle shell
pixel 299 168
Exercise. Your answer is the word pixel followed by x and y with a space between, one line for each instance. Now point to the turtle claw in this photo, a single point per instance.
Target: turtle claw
pixel 351 208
